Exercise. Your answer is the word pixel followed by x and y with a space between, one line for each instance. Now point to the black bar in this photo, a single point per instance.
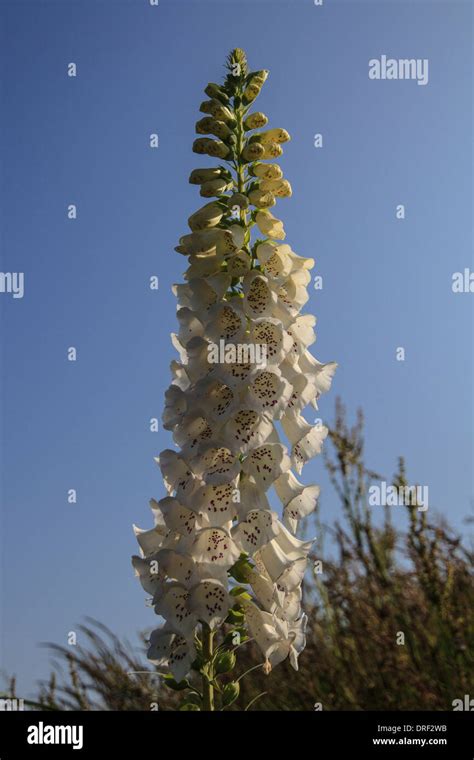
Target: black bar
pixel 239 734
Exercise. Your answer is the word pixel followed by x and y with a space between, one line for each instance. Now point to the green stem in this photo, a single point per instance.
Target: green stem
pixel 240 167
pixel 208 675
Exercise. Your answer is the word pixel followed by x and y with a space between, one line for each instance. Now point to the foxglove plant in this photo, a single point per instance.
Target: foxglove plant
pixel 221 566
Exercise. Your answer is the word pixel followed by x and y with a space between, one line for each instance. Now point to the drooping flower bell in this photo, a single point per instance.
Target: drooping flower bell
pixel 214 531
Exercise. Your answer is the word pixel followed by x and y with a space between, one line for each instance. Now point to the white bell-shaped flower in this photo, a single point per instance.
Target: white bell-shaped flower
pixel 217 504
pixel 266 463
pixel 307 439
pixel 209 602
pixel 298 500
pixel 214 547
pixel 258 528
pixel 246 429
pixel 170 649
pixel 269 392
pixel 269 332
pixel 260 298
pixel 173 607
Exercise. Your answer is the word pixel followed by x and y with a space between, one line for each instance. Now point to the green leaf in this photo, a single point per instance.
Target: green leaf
pixel 235 617
pixel 240 591
pixel 240 569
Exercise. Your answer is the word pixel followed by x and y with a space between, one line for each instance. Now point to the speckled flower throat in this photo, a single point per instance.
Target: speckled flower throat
pixel 222 567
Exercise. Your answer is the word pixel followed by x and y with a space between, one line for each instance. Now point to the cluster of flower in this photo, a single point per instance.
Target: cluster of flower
pixel 216 523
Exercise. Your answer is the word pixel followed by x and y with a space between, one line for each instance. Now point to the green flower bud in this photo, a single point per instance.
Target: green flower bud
pixel 237 66
pixel 266 171
pixel 255 120
pixel 238 56
pixel 225 662
pixel 261 199
pixel 230 693
pixel 253 151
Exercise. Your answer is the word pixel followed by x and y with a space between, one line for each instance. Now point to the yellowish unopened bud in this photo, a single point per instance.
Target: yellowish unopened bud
pixel 279 187
pixel 198 176
pixel 272 150
pixel 269 225
pixel 255 120
pixel 211 126
pixel 218 149
pixel 267 667
pixel 207 216
pixel 207 242
pixel 274 135
pixel 261 199
pixel 238 199
pixel 251 92
pixel 254 86
pixel 200 145
pixel 217 110
pixel 253 151
pixel 214 148
pixel 260 76
pixel 266 171
pixel 213 187
pixel 214 91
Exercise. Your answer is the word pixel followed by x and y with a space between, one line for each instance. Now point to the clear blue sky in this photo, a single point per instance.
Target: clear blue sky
pixel 387 283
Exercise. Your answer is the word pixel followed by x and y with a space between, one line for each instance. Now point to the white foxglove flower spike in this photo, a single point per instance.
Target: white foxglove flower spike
pixel 243 373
